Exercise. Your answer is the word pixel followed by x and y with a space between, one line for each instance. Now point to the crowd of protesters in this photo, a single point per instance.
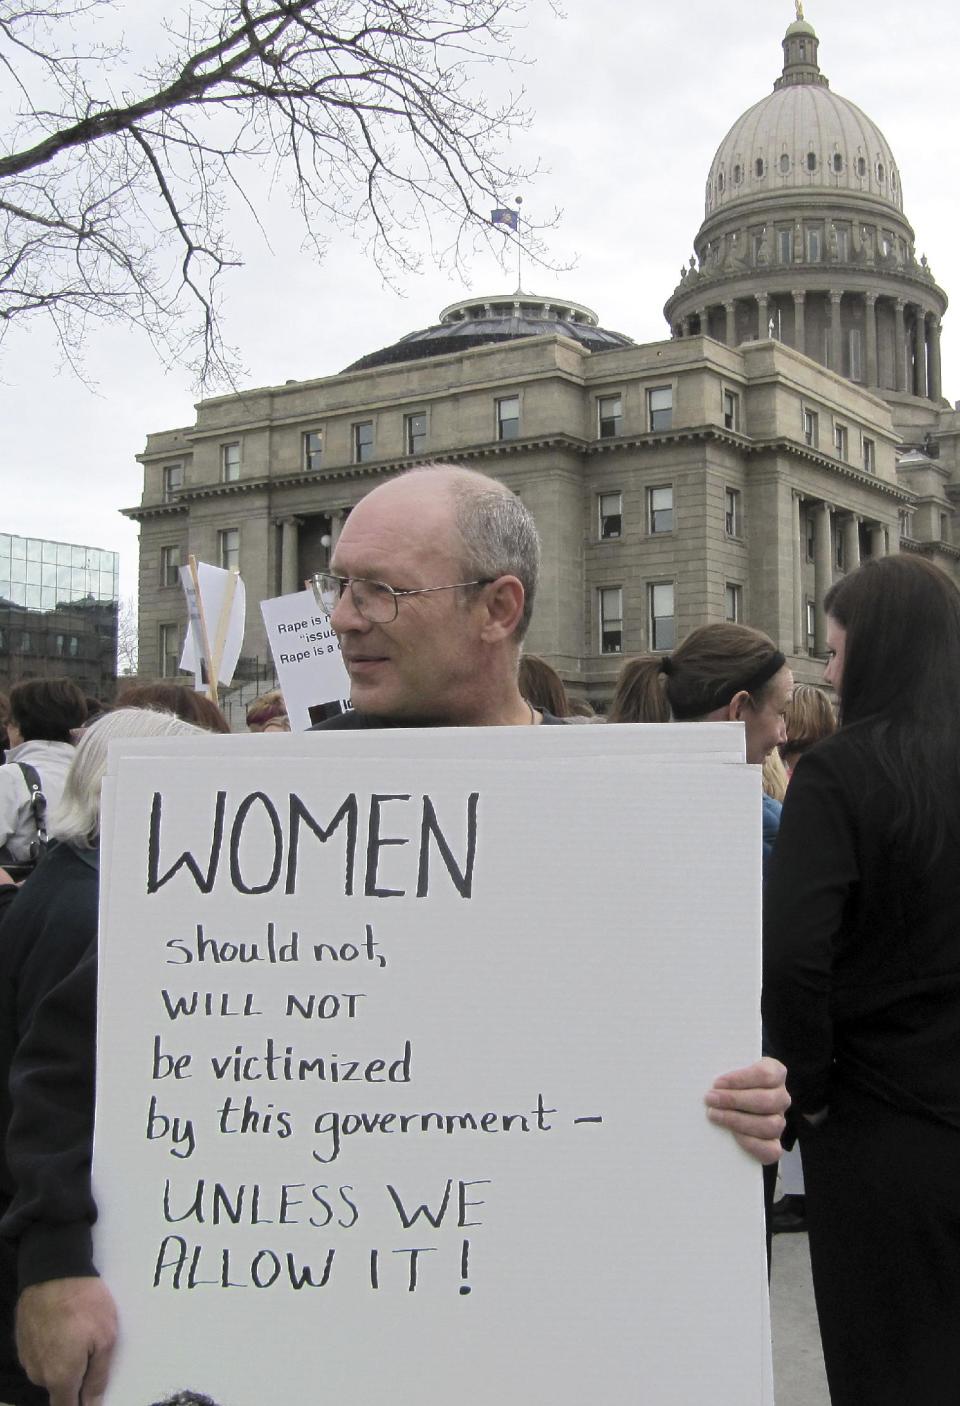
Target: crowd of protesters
pixel 860 829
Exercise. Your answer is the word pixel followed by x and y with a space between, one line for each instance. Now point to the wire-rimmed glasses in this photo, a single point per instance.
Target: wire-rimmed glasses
pixel 377 602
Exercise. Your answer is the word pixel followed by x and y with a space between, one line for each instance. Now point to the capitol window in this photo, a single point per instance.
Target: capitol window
pixel 660 624
pixel 784 163
pixel 837 162
pixel 785 245
pixel 811 160
pixel 813 246
pixel 363 442
pixel 759 167
pixel 660 408
pixel 610 508
pixel 737 174
pixel 861 166
pixel 312 449
pixel 660 509
pixel 880 172
pixel 611 619
pixel 609 415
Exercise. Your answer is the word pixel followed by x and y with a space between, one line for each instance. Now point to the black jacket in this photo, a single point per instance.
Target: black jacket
pixel 48 991
pixel 861 942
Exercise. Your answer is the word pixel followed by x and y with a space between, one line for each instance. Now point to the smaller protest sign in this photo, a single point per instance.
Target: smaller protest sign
pixel 216 611
pixel 307 656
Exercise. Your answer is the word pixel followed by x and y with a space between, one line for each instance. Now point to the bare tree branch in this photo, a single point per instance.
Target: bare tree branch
pixel 370 111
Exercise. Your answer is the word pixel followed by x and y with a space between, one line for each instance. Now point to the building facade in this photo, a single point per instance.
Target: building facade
pixel 792 427
pixel 58 613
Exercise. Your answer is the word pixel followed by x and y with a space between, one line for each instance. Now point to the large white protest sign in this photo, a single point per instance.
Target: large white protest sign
pixel 306 654
pixel 401 1075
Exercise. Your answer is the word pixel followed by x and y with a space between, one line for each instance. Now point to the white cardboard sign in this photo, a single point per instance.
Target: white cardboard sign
pixel 306 654
pixel 224 604
pixel 401 1074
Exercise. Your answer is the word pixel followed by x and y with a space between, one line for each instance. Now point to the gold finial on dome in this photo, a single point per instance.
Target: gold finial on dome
pixel 799 5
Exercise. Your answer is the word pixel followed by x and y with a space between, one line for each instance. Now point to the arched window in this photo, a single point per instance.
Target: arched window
pixel 880 172
pixel 837 162
pixel 861 166
pixel 737 174
pixel 811 160
pixel 759 167
pixel 784 163
pixel 720 183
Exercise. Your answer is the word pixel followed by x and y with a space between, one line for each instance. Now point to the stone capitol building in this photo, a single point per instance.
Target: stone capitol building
pixel 792 426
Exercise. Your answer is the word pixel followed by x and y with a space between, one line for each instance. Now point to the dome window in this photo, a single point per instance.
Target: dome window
pixel 861 166
pixel 784 163
pixel 893 180
pixel 737 174
pixel 837 163
pixel 811 160
pixel 759 167
pixel 880 172
pixel 720 183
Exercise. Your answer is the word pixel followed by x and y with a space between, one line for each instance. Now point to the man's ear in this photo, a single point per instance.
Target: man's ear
pixel 503 605
pixel 738 705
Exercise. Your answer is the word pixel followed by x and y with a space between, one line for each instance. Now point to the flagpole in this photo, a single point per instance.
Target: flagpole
pixel 519 202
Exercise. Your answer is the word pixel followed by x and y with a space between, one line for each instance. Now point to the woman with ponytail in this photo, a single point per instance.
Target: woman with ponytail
pixel 720 673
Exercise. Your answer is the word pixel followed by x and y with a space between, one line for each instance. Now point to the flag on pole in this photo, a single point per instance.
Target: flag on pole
pixel 510 218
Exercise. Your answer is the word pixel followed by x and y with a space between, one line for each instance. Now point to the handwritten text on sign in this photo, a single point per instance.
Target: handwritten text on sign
pixel 377 1035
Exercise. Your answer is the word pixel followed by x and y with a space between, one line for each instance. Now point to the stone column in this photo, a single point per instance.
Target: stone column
pixel 822 572
pixel 289 551
pixel 920 353
pixel 878 540
pixel 799 621
pixel 836 333
pixel 851 542
pixel 936 377
pixel 900 342
pixel 337 518
pixel 763 317
pixel 873 377
pixel 730 330
pixel 799 323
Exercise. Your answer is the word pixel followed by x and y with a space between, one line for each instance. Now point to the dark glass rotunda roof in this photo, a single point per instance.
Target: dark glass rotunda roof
pixel 481 322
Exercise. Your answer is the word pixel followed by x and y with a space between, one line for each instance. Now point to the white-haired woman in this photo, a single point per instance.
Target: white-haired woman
pixel 48 991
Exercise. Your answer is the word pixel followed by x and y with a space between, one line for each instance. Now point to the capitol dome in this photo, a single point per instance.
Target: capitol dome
pixel 805 239
pixel 803 137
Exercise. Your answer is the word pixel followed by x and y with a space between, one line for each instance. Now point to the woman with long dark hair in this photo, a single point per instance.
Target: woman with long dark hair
pixel 862 987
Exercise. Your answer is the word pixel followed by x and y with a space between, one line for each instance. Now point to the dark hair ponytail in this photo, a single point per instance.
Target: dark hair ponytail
pixel 704 673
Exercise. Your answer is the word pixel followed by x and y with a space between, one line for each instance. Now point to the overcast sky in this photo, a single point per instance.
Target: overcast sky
pixel 629 104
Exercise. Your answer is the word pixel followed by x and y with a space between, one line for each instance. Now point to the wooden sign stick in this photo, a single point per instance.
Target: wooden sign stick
pixel 204 638
pixel 223 624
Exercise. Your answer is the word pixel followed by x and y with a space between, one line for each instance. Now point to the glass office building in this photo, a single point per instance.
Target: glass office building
pixel 42 575
pixel 58 613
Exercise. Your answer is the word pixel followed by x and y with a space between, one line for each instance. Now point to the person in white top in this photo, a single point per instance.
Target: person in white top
pixel 43 714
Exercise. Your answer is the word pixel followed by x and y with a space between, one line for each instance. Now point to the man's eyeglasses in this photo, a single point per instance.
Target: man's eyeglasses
pixel 374 600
